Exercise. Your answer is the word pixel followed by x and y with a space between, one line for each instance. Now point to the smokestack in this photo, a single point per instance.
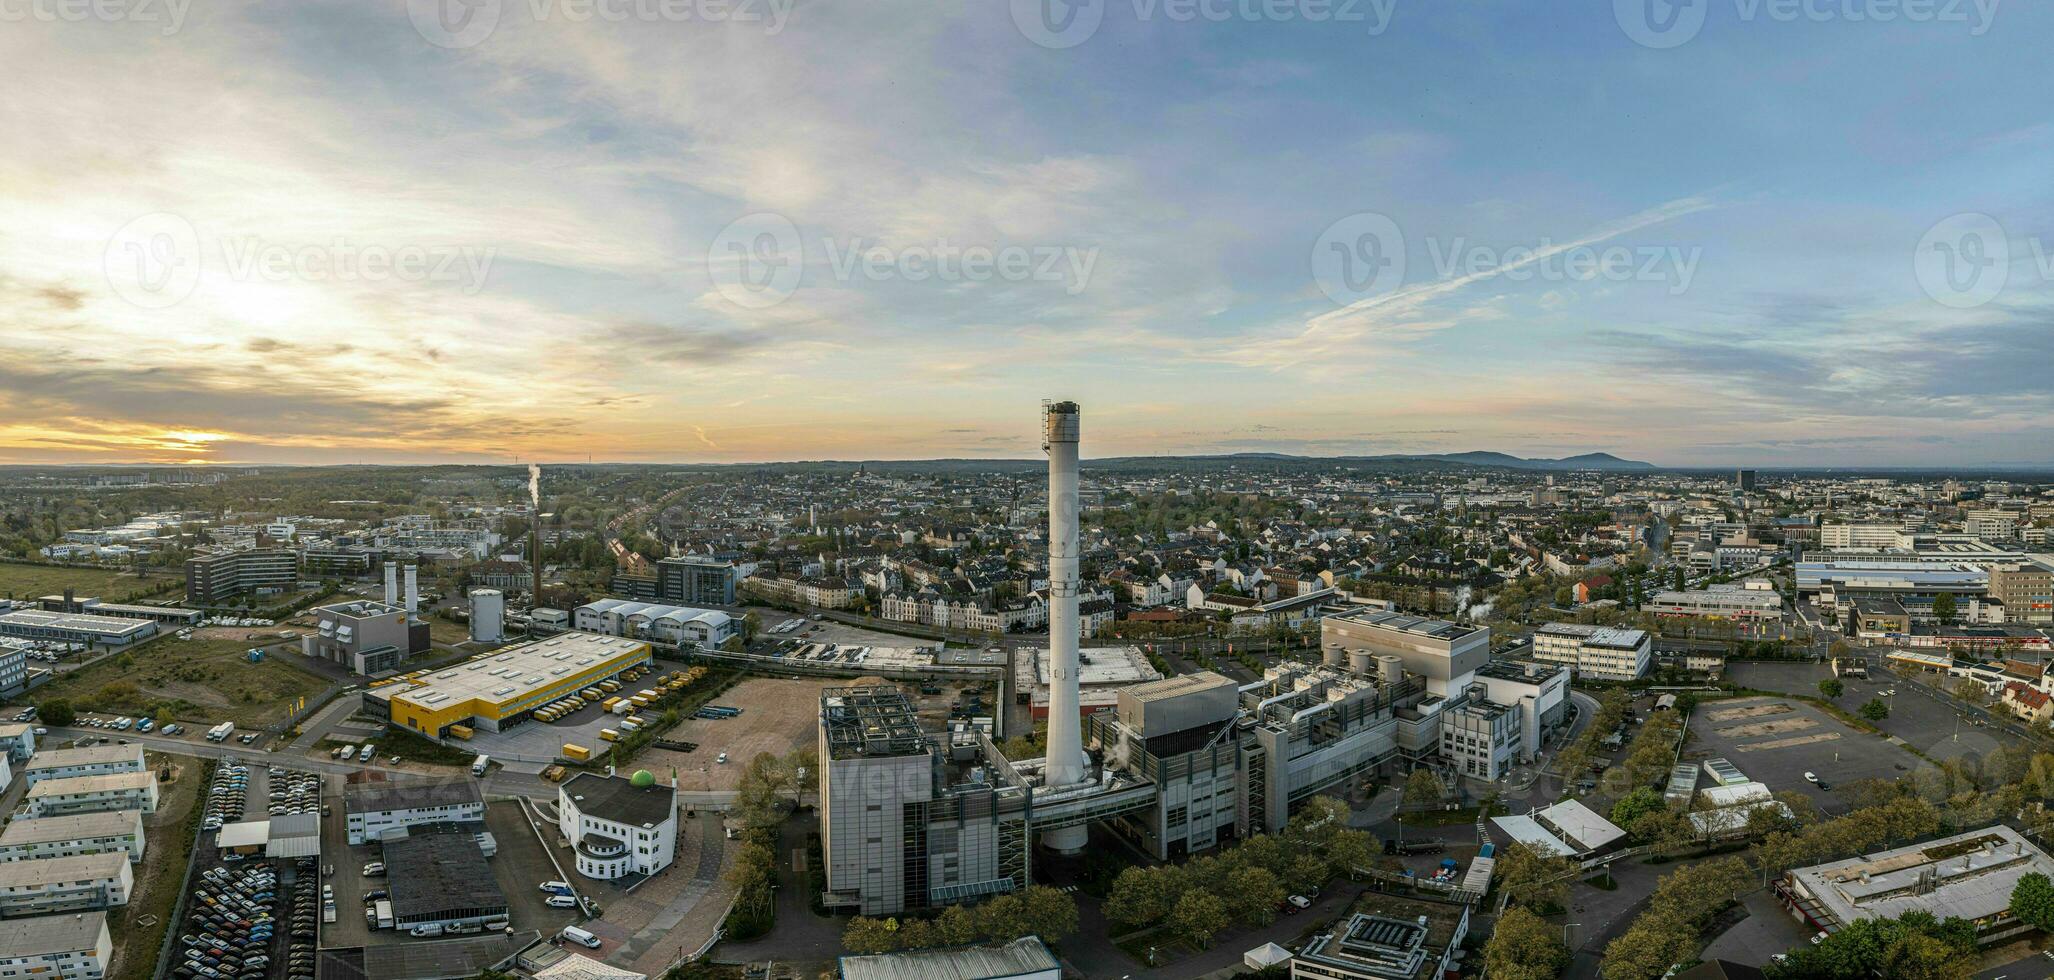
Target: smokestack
pixel 1066 763
pixel 392 583
pixel 413 591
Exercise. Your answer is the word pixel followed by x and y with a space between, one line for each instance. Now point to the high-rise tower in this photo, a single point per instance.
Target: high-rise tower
pixel 1066 762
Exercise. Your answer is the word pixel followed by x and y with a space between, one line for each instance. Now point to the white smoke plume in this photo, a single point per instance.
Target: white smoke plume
pixel 535 486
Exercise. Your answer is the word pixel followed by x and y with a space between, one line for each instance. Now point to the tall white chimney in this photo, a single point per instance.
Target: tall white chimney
pixel 1066 762
pixel 413 590
pixel 392 583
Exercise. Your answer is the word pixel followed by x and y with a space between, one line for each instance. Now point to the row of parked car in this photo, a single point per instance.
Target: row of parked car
pixel 294 792
pixel 232 927
pixel 227 794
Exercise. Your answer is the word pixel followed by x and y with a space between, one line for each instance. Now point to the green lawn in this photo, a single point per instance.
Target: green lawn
pixel 199 681
pixel 33 581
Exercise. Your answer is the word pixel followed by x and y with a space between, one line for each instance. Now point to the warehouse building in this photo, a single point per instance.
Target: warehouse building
pixel 1970 875
pixel 47 886
pixel 29 838
pixel 619 826
pixel 680 625
pixel 92 760
pixel 57 627
pixel 442 879
pixel 500 689
pixel 93 794
pixel 172 616
pixel 56 947
pixel 377 810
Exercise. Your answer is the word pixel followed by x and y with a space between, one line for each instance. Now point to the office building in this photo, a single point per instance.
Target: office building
pixel 213 578
pixel 1863 536
pixel 695 581
pixel 93 794
pixel 93 760
pixel 374 811
pixel 679 625
pixel 56 947
pixel 1718 602
pixel 497 690
pixel 1744 480
pixel 29 838
pixel 2026 590
pixel 80 628
pixel 1991 525
pixel 14 666
pixel 47 886
pixel 1969 875
pixel 618 825
pixel 1599 652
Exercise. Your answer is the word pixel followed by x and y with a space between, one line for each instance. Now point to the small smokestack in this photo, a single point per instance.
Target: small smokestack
pixel 392 583
pixel 413 590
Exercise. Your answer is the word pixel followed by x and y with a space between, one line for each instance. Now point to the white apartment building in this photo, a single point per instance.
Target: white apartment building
pixel 56 947
pixel 1598 652
pixel 375 808
pixel 92 794
pixel 17 742
pixel 1863 536
pixel 47 886
pixel 93 760
pixel 617 825
pixel 32 838
pixel 14 666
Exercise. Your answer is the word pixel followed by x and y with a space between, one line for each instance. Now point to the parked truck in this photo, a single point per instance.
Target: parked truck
pixel 221 731
pixel 609 735
pixel 480 764
pixel 576 752
pixel 461 731
pixel 384 908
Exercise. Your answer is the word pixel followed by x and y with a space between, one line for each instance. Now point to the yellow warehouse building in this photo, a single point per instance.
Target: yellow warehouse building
pixel 504 687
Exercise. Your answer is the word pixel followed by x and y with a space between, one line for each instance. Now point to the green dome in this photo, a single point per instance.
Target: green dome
pixel 642 778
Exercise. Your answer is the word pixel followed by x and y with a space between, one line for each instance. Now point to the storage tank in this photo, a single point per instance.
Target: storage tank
pixel 1334 656
pixel 1361 661
pixel 488 615
pixel 1391 669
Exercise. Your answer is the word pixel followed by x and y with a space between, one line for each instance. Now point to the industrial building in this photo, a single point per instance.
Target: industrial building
pixel 619 826
pixel 1969 875
pixel 442 879
pixel 1025 958
pixel 1721 601
pixel 682 626
pixel 500 689
pixel 92 760
pixel 1540 692
pixel 366 637
pixel 1599 652
pixel 213 578
pixel 1836 584
pixel 47 886
pixel 1442 653
pixel 1386 938
pixel 92 794
pixel 374 811
pixel 488 616
pixel 161 615
pixel 56 947
pixel 29 838
pixel 1101 674
pixel 83 628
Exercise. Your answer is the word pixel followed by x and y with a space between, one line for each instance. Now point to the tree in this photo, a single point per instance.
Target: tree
pixel 1144 896
pixel 1970 689
pixel 2032 900
pixel 1531 878
pixel 1637 804
pixel 1831 687
pixel 1198 917
pixel 56 711
pixel 1524 947
pixel 1423 787
pixel 866 935
pixel 1875 710
pixel 1943 607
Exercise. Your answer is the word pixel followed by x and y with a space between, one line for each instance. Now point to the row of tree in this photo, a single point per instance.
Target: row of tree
pixel 1038 911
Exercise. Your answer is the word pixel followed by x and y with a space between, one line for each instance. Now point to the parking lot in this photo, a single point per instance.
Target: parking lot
pixel 238 921
pixel 1926 720
pixel 1777 740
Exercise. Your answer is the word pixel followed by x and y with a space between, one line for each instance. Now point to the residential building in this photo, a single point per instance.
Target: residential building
pixel 29 838
pixel 375 810
pixel 618 826
pixel 17 742
pixel 56 947
pixel 92 760
pixel 1599 652
pixel 93 794
pixel 213 578
pixel 47 886
pixel 14 666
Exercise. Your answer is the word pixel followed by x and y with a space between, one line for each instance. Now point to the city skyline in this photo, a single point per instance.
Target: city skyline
pixel 357 233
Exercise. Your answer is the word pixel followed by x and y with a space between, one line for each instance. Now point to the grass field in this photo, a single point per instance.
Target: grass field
pixel 170 831
pixel 24 581
pixel 199 681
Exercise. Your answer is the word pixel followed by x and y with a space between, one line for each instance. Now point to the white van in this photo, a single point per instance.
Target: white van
pixel 560 902
pixel 580 936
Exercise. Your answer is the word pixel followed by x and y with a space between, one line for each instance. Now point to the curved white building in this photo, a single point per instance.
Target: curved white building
pixel 618 826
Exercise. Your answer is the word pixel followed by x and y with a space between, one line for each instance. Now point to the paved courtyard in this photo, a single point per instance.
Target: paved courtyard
pixel 1777 740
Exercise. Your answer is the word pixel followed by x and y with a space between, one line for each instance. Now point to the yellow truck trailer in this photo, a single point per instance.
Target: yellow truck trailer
pixel 607 705
pixel 609 735
pixel 461 731
pixel 576 752
pixel 610 687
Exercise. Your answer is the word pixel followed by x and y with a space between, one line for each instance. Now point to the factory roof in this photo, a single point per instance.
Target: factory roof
pixel 52 934
pixel 618 799
pixel 656 611
pixel 444 873
pixel 1523 671
pixel 870 720
pixel 76 622
pixel 1096 666
pixel 1439 629
pixel 409 794
pixel 1528 831
pixel 512 673
pixel 1026 956
pixel 71 826
pixel 1970 875
pixel 91 755
pixel 79 867
pixel 1171 687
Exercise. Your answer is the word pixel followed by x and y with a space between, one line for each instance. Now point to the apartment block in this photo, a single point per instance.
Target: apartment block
pixel 47 886
pixel 56 947
pixel 30 838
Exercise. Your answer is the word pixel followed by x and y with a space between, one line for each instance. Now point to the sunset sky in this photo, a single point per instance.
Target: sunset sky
pixel 338 232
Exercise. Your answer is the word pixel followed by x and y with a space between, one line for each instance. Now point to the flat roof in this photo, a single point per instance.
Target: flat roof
pixel 1968 874
pixel 76 622
pixel 78 867
pixel 409 794
pixel 71 826
pixel 1023 956
pixel 52 934
pixel 513 673
pixel 618 799
pixel 101 783
pixel 1582 824
pixel 248 833
pixel 91 755
pixel 1528 831
pixel 443 873
pixel 1439 629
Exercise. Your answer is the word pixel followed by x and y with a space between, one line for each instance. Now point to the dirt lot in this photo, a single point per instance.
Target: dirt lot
pixel 206 679
pixel 778 715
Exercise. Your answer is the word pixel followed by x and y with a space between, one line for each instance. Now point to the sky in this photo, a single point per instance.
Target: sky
pixel 1708 232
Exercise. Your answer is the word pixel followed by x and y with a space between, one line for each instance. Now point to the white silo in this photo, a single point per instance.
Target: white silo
pixel 488 615
pixel 1334 656
pixel 1390 668
pixel 1361 662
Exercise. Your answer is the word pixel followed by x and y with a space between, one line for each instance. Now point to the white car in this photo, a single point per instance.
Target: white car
pixel 1811 777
